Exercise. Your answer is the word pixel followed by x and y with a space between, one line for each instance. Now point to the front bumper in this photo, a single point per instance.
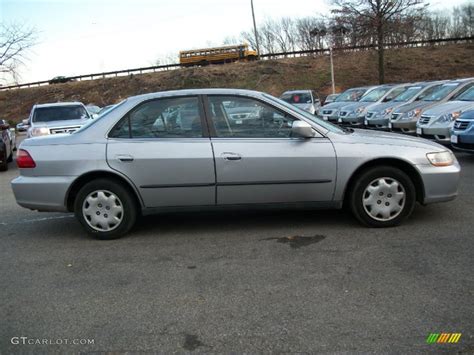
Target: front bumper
pixel 440 133
pixel 42 193
pixel 351 120
pixel 464 141
pixel 440 183
pixel 377 123
pixel 405 126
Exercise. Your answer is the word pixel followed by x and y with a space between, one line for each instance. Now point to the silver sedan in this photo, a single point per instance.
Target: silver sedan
pixel 180 150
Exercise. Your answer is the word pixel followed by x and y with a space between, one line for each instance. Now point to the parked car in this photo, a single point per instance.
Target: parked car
pixel 378 116
pixel 330 112
pixel 306 100
pixel 437 122
pixel 60 79
pixel 22 126
pixel 462 134
pixel 93 110
pixel 119 166
pixel 354 114
pixel 330 98
pixel 61 117
pixel 7 145
pixel 104 109
pixel 405 117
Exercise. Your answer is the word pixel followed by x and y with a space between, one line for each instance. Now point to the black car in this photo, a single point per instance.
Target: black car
pixel 6 146
pixel 60 80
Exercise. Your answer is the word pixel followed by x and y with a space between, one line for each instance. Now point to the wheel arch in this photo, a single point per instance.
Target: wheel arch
pixel 403 165
pixel 99 174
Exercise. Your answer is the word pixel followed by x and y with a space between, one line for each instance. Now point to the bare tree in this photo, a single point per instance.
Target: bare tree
pixel 15 40
pixel 376 14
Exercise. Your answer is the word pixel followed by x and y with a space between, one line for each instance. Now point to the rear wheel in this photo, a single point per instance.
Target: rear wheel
pixel 105 208
pixel 383 197
pixel 3 159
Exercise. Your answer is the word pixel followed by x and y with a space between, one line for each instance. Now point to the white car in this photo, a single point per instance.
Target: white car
pixel 306 100
pixel 61 117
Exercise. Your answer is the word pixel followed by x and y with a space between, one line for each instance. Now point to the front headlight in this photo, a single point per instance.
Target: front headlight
pixel 450 116
pixel 40 131
pixel 414 113
pixel 441 158
pixel 388 111
pixel 360 110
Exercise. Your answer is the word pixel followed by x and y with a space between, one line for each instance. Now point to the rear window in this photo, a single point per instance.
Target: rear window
pixel 59 113
pixel 297 98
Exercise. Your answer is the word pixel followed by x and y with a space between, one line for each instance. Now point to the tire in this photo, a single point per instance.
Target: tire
pixel 382 197
pixel 10 157
pixel 114 203
pixel 3 159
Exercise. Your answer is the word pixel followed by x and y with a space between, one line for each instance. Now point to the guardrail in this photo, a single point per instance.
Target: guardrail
pixel 265 56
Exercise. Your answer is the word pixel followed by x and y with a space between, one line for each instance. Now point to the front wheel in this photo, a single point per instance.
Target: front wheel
pixel 105 208
pixel 383 197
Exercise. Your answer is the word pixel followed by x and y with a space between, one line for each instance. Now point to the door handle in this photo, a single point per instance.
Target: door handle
pixel 125 158
pixel 231 156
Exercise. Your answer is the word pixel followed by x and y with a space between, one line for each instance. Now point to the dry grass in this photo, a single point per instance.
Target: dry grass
pixel 273 76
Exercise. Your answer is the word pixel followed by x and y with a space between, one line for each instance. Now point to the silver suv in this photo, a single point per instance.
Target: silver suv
pixel 61 117
pixel 181 150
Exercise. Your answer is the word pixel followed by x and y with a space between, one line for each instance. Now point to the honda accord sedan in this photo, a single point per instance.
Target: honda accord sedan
pixel 141 157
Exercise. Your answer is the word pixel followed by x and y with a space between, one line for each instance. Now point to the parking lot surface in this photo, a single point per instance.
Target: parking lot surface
pixel 239 281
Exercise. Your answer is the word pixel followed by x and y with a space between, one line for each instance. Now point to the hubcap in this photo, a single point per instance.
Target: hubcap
pixel 102 210
pixel 384 199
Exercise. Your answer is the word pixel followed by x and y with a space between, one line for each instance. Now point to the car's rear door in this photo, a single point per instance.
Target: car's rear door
pixel 257 160
pixel 163 147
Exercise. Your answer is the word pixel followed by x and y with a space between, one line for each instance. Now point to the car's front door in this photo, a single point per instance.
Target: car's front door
pixel 257 160
pixel 163 148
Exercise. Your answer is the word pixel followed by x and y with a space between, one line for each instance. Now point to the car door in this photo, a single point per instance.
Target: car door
pixel 163 147
pixel 257 160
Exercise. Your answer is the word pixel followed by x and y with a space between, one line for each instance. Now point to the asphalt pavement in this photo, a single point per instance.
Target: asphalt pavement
pixel 251 281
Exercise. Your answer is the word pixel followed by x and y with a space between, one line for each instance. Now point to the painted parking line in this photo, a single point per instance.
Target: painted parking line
pixel 36 220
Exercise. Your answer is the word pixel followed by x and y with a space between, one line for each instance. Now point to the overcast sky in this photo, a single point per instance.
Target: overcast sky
pixel 86 36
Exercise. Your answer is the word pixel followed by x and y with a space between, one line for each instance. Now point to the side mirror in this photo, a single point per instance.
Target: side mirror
pixel 25 121
pixel 302 129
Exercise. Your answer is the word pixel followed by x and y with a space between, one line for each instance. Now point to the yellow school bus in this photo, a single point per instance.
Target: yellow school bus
pixel 216 55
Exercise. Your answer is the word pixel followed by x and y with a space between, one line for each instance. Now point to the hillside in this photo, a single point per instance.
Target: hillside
pixel 272 76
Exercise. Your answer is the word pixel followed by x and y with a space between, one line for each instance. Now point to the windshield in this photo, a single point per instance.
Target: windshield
pixel 375 95
pixel 407 95
pixel 351 95
pixel 320 122
pixel 102 115
pixel 442 92
pixel 60 113
pixel 297 98
pixel 467 96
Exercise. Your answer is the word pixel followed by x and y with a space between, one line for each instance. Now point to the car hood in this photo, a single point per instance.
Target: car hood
pixel 415 105
pixel 386 138
pixel 354 106
pixel 336 105
pixel 384 105
pixel 449 107
pixel 62 123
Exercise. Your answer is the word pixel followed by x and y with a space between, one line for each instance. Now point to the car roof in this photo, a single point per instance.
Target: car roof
pixel 58 104
pixel 190 92
pixel 296 91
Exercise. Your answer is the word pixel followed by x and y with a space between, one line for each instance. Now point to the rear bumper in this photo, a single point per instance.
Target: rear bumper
pixel 42 193
pixel 440 183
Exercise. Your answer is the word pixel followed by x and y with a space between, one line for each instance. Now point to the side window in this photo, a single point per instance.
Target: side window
pixel 162 118
pixel 394 94
pixel 427 92
pixel 241 117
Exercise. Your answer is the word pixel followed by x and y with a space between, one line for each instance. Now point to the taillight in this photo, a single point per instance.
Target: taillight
pixel 24 160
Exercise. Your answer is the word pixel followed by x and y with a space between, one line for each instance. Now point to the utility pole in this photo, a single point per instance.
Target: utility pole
pixel 332 71
pixel 255 30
